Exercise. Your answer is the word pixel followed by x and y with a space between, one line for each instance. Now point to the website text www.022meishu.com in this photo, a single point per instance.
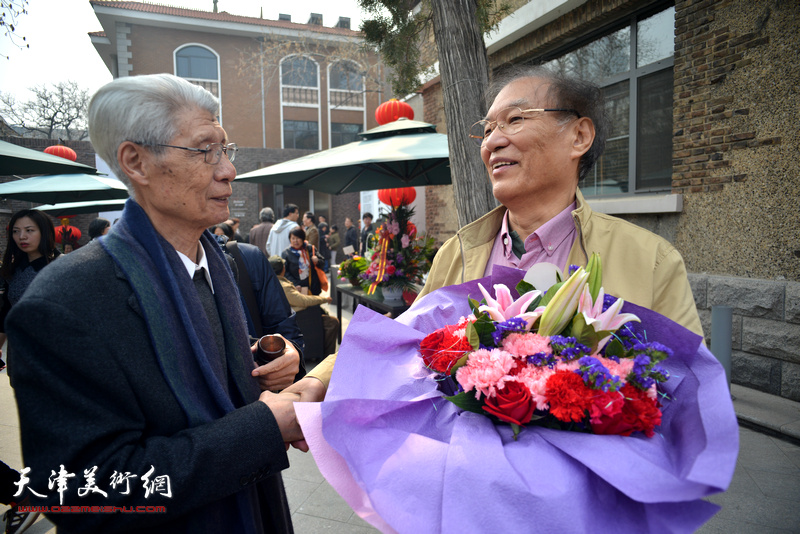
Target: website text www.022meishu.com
pixel 93 509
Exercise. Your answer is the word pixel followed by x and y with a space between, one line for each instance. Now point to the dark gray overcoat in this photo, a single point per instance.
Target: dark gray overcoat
pixel 91 393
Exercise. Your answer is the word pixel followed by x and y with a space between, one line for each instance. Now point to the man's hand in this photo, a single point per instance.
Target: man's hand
pixel 280 372
pixel 307 389
pixel 282 407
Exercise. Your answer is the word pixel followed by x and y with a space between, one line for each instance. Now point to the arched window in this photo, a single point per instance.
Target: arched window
pixel 299 81
pixel 299 71
pixel 346 85
pixel 199 65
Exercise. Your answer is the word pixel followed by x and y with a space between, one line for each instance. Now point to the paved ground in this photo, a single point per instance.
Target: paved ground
pixel 763 498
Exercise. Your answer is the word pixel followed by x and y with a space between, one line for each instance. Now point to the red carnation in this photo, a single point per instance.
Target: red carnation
pixel 442 348
pixel 512 404
pixel 639 413
pixel 568 396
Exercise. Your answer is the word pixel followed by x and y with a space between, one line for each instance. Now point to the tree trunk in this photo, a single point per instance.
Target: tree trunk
pixel 464 69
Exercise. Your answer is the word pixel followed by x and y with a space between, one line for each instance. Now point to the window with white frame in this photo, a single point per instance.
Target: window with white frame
pixel 634 67
pixel 346 85
pixel 299 81
pixel 301 134
pixel 343 133
pixel 199 65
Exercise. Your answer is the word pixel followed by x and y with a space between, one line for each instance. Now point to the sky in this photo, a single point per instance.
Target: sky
pixel 60 49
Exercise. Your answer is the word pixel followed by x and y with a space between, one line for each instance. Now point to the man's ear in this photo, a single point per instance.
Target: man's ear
pixel 132 160
pixel 584 136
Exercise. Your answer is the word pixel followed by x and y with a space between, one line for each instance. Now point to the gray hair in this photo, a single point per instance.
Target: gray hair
pixel 266 215
pixel 142 109
pixel 569 93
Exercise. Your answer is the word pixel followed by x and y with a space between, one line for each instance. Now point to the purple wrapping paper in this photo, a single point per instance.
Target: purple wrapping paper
pixel 407 461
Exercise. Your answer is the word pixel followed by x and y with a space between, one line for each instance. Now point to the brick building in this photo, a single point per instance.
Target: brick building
pixel 286 89
pixel 703 97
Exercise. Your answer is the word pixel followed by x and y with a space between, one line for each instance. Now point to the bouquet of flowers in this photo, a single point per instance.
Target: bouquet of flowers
pixel 399 258
pixel 351 269
pixel 407 459
pixel 546 359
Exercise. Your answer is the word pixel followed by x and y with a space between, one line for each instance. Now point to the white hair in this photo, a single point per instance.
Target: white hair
pixel 142 109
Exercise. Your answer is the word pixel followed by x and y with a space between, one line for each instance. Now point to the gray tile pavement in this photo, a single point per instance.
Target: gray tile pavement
pixel 764 496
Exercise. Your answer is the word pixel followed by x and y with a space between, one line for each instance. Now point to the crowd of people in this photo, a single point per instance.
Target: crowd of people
pixel 157 371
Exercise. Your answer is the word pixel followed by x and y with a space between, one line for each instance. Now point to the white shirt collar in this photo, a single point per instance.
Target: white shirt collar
pixel 192 267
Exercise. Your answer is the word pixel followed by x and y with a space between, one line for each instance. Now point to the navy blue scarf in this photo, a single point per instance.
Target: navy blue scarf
pixel 182 337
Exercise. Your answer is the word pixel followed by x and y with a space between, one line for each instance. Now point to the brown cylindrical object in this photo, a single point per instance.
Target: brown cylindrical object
pixel 269 348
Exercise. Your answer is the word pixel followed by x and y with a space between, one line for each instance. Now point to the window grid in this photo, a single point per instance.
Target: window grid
pixel 638 151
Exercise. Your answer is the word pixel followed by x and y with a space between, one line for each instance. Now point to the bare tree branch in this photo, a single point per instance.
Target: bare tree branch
pixel 10 11
pixel 55 111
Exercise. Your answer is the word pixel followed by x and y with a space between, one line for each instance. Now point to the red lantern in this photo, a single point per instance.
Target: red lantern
pixel 68 234
pixel 393 110
pixel 399 196
pixel 62 151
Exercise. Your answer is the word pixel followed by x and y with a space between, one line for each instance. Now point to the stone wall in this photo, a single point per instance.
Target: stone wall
pixel 766 329
pixel 736 137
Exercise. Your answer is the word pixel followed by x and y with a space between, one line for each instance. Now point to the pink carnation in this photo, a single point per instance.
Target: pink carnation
pixel 621 369
pixel 523 345
pixel 535 379
pixel 486 371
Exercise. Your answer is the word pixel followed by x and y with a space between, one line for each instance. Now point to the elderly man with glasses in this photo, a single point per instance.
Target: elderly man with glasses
pixel 147 397
pixel 542 134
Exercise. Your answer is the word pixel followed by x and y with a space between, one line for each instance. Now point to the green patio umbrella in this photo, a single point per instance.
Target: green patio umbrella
pixel 76 208
pixel 15 159
pixel 58 188
pixel 403 153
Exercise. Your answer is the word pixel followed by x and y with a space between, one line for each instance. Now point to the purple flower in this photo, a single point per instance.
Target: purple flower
pixel 515 324
pixel 568 348
pixel 597 375
pixel 542 359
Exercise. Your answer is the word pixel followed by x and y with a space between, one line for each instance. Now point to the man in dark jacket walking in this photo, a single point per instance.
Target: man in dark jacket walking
pixel 350 236
pixel 259 233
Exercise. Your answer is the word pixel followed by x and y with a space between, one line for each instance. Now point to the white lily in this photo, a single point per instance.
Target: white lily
pixel 505 307
pixel 609 320
pixel 561 308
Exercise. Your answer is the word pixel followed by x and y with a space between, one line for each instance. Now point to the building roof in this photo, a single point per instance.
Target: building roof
pixel 223 16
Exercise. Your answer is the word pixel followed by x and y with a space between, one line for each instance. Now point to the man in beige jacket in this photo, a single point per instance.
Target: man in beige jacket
pixel 542 134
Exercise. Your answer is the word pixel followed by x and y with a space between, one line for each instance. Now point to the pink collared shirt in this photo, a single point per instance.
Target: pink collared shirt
pixel 550 243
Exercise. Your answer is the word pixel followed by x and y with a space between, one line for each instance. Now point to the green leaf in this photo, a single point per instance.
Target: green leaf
pixel 467 402
pixel 472 336
pixel 524 287
pixel 474 305
pixel 615 348
pixel 550 293
pixel 484 327
pixel 461 362
pixel 534 304
pixel 584 333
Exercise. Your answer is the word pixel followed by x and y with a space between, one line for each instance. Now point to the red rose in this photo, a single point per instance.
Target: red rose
pixel 638 413
pixel 441 349
pixel 391 269
pixel 568 396
pixel 512 404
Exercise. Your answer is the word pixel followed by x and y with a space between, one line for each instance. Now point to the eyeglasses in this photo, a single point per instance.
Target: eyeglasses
pixel 509 120
pixel 212 153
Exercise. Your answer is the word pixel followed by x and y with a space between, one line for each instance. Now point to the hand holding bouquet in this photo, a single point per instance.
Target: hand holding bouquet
pixel 407 459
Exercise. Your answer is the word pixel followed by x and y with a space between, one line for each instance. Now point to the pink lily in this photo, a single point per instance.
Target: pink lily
pixel 609 321
pixel 505 307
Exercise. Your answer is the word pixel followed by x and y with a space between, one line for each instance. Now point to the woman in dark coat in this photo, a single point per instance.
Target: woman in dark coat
pixel 301 258
pixel 31 246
